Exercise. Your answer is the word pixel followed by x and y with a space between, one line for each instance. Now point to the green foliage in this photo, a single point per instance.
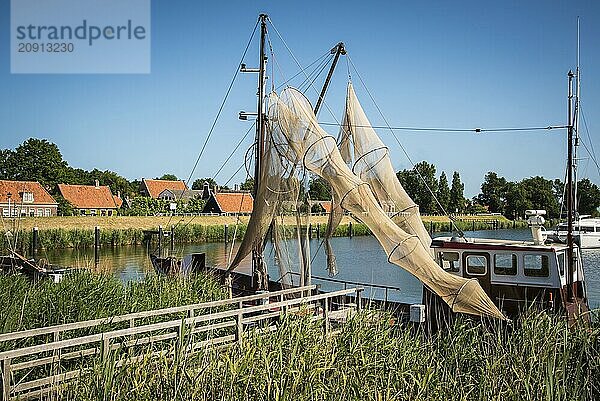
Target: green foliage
pixel 199 183
pixel 443 193
pixel 588 195
pixel 34 160
pixel 65 208
pixel 493 192
pixel 145 206
pixel 247 185
pixel 85 295
pixel 319 189
pixel 540 193
pixel 370 358
pixel 167 177
pixel 421 185
pixel 456 203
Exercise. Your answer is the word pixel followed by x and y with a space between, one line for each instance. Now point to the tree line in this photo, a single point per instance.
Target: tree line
pixel 41 160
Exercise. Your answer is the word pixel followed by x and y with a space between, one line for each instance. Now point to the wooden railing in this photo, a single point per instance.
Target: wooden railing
pixel 33 371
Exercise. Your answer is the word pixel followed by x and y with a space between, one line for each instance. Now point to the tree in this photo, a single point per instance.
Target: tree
pixel 6 169
pixel 540 194
pixel 116 183
pixel 167 177
pixel 199 183
pixel 37 160
pixel 247 185
pixel 456 203
pixel 493 192
pixel 517 200
pixel 443 193
pixel 588 197
pixel 319 189
pixel 65 208
pixel 420 184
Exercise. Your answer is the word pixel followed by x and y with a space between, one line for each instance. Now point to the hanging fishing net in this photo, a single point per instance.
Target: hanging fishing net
pixel 296 136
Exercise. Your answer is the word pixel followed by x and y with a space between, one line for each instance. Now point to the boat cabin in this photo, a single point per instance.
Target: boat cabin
pixel 515 274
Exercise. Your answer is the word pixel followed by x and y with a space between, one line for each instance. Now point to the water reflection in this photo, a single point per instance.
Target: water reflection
pixel 360 259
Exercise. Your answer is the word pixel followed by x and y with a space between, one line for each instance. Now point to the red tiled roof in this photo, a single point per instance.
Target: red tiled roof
pixel 88 196
pixel 16 189
pixel 234 202
pixel 155 187
pixel 118 201
pixel 326 205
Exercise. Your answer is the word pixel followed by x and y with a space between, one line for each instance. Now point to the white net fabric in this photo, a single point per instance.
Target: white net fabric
pixel 297 137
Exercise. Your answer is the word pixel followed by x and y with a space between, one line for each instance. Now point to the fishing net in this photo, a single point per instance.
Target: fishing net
pixel 297 137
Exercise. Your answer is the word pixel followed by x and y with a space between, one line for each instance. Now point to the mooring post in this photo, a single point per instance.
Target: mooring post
pixel 431 227
pixel 226 233
pixel 172 240
pixel 96 246
pixel 473 223
pixel 350 229
pixel 318 230
pixel 160 238
pixel 35 242
pixel 310 231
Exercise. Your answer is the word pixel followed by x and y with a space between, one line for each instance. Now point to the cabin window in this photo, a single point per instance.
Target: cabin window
pixel 505 264
pixel 450 261
pixel 561 264
pixel 587 229
pixel 535 265
pixel 477 264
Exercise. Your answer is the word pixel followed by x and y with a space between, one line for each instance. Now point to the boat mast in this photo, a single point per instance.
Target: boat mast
pixel 576 126
pixel 338 50
pixel 570 200
pixel 259 274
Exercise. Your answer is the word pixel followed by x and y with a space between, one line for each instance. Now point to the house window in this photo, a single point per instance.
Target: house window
pixel 5 212
pixel 110 212
pixel 477 265
pixel 47 212
pixel 93 212
pixel 27 197
pixel 505 264
pixel 40 212
pixel 31 212
pixel 23 212
pixel 102 212
pixel 450 261
pixel 535 265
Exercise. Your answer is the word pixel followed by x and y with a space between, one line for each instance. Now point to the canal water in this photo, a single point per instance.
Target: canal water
pixel 359 259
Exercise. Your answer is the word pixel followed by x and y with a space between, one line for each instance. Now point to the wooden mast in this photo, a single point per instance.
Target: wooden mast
pixel 259 274
pixel 338 50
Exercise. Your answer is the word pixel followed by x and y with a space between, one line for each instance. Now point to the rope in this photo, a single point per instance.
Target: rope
pixel 476 130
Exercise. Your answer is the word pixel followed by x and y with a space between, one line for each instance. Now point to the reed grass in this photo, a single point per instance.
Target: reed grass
pixel 371 358
pixel 86 295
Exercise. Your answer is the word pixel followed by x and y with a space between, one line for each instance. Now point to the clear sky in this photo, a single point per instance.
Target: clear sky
pixel 450 64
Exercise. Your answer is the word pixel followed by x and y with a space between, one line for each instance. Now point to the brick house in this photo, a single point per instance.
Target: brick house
pixel 229 203
pixel 153 188
pixel 26 198
pixel 91 200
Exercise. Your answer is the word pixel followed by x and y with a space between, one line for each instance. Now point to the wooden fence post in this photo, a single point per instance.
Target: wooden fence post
pixel 6 379
pixel 240 327
pixel 326 315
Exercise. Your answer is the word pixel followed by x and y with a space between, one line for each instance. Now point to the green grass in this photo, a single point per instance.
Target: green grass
pixel 538 358
pixel 85 295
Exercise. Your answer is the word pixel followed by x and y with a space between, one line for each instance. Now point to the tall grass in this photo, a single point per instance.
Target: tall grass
pixel 371 358
pixel 86 295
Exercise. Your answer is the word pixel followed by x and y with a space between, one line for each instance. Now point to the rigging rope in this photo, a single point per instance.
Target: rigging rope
pixel 476 130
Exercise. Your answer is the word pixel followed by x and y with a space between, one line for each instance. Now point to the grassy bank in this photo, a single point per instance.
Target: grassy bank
pixel 538 358
pixel 86 295
pixel 78 232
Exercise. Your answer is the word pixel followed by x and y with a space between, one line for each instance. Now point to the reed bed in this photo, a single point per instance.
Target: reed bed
pixel 86 295
pixel 370 358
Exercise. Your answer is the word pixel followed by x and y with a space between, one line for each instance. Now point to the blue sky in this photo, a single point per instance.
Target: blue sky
pixel 459 64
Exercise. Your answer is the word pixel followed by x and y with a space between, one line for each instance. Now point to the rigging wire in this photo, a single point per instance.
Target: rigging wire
pixel 405 151
pixel 233 151
pixel 476 130
pixel 212 128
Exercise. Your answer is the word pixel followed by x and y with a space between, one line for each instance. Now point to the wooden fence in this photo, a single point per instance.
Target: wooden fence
pixel 41 359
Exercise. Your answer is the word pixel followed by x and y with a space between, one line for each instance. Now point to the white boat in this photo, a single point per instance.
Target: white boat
pixel 586 232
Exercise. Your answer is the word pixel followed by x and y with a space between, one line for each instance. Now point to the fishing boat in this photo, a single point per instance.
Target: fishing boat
pixel 486 278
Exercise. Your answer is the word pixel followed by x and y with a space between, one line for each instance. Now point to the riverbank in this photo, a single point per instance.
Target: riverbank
pixel 78 232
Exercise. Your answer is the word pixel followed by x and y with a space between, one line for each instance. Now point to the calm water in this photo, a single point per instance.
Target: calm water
pixel 359 259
